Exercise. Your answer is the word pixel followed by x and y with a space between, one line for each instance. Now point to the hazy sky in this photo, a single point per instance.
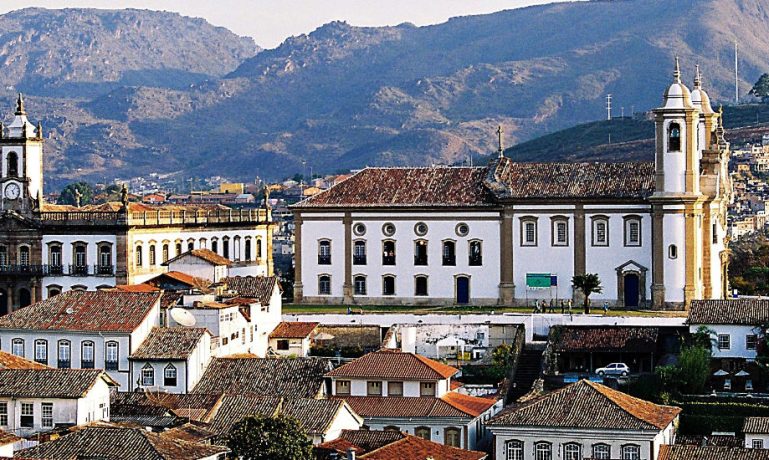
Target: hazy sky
pixel 269 22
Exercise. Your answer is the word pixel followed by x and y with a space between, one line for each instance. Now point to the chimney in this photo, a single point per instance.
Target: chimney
pixel 350 454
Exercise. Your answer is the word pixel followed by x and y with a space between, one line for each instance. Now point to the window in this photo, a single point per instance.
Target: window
pixel 673 251
pixel 391 428
pixel 427 389
pixel 111 356
pixel 543 451
pixel 359 253
pixel 54 291
pixel 529 231
pixel 283 344
pixel 388 229
pixel 632 231
pixel 169 376
pixel 756 444
pixel 190 245
pixel 453 437
pixel 420 252
pixel 215 245
pixel 165 252
pixel 3 414
pixel 65 354
pixel 226 248
pixel 138 257
pixel 359 229
pixel 572 451
pixel 105 259
pixel 86 357
pixel 360 285
pixel 388 253
pixel 153 258
pixel 514 450
pixel 148 376
pixel 248 249
pixel 324 252
pixel 24 256
pixel 715 232
pixel 41 351
pixel 395 389
pixel 202 243
pixel 724 342
pixel 178 248
pixel 3 255
pixel 422 432
pixel 54 258
pixel 46 414
pixel 560 229
pixel 81 259
pixel 674 137
pixel 420 229
pixel 27 415
pixel 631 452
pixel 374 388
pixel 259 249
pixel 343 387
pixel 324 285
pixel 388 285
pixel 17 347
pixel 462 229
pixel 476 254
pixel 600 231
pixel 751 341
pixel 601 451
pixel 420 285
pixel 449 253
pixel 13 164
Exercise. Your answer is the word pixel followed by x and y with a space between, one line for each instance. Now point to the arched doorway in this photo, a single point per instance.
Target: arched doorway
pixel 4 310
pixel 463 290
pixel 25 298
pixel 632 284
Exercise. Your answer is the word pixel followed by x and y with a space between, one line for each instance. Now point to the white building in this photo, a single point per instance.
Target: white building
pixel 293 338
pixel 734 325
pixel 512 232
pixel 583 420
pixel 756 431
pixel 37 400
pixel 83 330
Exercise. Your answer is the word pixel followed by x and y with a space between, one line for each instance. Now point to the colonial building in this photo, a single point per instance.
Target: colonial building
pixel 46 249
pixel 512 232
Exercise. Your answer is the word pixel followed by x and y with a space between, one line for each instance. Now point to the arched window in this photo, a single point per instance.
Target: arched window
pixel 324 285
pixel 64 355
pixel 259 248
pixel 17 347
pixel 420 285
pixel 178 249
pixel 25 297
pixel 560 231
pixel 674 137
pixel 391 428
pixel 111 356
pixel 248 249
pixel 572 451
pixel 169 376
pixel 13 164
pixel 54 290
pixel 3 255
pixel 41 351
pixel 226 247
pixel 324 251
pixel 452 437
pixel 202 243
pixel 24 256
pixel 153 257
pixel 148 376
pixel 87 355
pixel 420 252
pixel 632 231
pixel 673 251
pixel 165 252
pixel 476 253
pixel 449 253
pixel 388 252
pixel 359 253
pixel 190 245
pixel 236 248
pixel 54 259
pixel 600 231
pixel 138 256
pixel 215 245
pixel 422 432
pixel 388 285
pixel 631 452
pixel 513 450
pixel 360 285
pixel 601 451
pixel 105 259
pixel 543 451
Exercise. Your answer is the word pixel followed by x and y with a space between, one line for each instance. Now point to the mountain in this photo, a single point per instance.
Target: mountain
pixel 344 97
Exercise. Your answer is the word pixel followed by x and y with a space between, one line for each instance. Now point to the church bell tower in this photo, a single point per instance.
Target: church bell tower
pixel 21 162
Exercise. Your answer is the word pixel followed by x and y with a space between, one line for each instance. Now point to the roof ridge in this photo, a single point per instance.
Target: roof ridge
pixel 405 437
pixel 614 396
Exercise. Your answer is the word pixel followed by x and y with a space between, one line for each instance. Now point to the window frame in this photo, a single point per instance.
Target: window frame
pixel 324 278
pixel 671 146
pixel 342 383
pixel 417 291
pixel 359 252
pixel 396 384
pixel 360 285
pixel 757 444
pixel 751 338
pixel 555 223
pixel 27 415
pixel 324 252
pixel 569 455
pixel 147 374
pixel 475 260
pixel 46 420
pixel 38 358
pixel 421 257
pixel 14 343
pixel 424 432
pixel 111 365
pixel 524 230
pixel 625 454
pixel 595 221
pixel 628 223
pixel 371 386
pixel 3 413
pixel 384 285
pixel 170 381
pixel 61 345
pixel 83 361
pixel 724 339
pixel 673 252
pixel 514 446
pixel 448 253
pixel 543 454
pixel 600 455
pixel 452 431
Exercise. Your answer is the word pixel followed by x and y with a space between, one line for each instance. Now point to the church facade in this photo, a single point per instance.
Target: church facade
pixel 513 233
pixel 46 249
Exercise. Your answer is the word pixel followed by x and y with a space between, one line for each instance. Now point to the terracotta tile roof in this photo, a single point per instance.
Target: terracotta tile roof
pixel 293 378
pixel 405 187
pixel 183 278
pixel 89 311
pixel 710 440
pixel 169 299
pixel 588 405
pixel 315 415
pixel 204 254
pixel 468 404
pixel 8 438
pixel 153 403
pixel 417 448
pixel 750 312
pixel 757 425
pixel 234 407
pixel 388 407
pixel 255 287
pixel 119 443
pixel 365 336
pixel 606 339
pixel 136 288
pixel 509 179
pixel 169 343
pixel 10 361
pixel 293 330
pixel 362 440
pixel 394 365
pixel 49 383
pixel 678 452
pixel 190 432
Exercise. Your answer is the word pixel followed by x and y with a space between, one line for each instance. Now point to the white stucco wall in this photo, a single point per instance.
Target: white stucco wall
pixel 737 338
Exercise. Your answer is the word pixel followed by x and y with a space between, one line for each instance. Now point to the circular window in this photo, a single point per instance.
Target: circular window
pixel 359 229
pixel 388 229
pixel 462 229
pixel 420 228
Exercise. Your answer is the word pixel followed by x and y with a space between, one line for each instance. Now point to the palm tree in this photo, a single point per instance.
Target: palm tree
pixel 588 283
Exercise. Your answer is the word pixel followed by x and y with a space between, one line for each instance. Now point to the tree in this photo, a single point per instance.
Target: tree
pixel 269 438
pixel 704 338
pixel 694 369
pixel 589 283
pixel 761 88
pixel 68 194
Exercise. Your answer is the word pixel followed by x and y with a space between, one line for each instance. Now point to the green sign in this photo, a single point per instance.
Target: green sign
pixel 538 280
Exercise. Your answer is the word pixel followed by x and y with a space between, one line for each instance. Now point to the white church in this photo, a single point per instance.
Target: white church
pixel 511 233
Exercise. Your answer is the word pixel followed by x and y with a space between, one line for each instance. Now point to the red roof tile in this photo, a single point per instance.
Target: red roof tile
pixel 9 361
pixel 394 365
pixel 293 330
pixel 255 287
pixel 412 447
pixel 183 278
pixel 205 254
pixel 468 404
pixel 606 339
pixel 711 453
pixel 383 406
pixel 136 288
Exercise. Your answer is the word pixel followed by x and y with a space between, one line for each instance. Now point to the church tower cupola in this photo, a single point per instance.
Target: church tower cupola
pixel 21 127
pixel 21 162
pixel 700 98
pixel 677 95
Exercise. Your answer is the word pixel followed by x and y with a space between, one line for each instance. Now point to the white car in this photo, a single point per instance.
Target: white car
pixel 614 369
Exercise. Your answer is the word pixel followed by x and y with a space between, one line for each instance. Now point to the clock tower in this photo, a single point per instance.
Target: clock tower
pixel 21 162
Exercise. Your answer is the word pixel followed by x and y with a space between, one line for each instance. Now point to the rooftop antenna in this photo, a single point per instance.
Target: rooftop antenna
pixel 500 151
pixel 736 77
pixel 608 107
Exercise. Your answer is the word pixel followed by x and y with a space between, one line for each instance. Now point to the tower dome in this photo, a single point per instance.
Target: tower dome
pixel 21 127
pixel 677 95
pixel 700 98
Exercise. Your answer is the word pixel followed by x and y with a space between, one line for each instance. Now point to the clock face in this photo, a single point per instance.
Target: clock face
pixel 12 191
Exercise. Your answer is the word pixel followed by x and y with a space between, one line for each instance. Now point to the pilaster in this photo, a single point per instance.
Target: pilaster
pixel 347 286
pixel 298 285
pixel 658 258
pixel 580 264
pixel 507 283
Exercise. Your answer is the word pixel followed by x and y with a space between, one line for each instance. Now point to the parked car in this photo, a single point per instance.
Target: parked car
pixel 614 369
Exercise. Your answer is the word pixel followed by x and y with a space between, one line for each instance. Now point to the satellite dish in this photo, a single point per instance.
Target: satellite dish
pixel 183 317
pixel 69 310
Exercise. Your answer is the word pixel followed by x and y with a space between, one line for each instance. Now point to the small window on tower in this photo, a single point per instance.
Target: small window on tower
pixel 13 164
pixel 674 137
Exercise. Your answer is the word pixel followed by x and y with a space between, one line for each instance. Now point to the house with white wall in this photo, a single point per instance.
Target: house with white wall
pixel 38 400
pixel 734 324
pixel 83 330
pixel 293 338
pixel 583 420
pixel 756 431
pixel 201 263
pixel 171 359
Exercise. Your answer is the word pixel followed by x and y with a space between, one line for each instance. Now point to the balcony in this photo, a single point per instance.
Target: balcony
pixel 23 269
pixel 110 365
pixel 420 259
pixel 388 260
pixel 89 365
pixel 324 259
pixel 449 259
pixel 359 259
pixel 57 269
pixel 105 270
pixel 78 270
pixel 65 364
pixel 476 261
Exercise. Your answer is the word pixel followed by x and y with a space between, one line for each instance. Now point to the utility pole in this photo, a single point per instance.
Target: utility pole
pixel 608 107
pixel 736 77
